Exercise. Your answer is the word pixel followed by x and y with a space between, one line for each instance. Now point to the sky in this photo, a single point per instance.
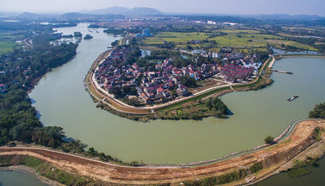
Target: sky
pixel 308 7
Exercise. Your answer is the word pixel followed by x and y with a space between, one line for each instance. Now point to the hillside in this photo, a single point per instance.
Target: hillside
pixel 138 11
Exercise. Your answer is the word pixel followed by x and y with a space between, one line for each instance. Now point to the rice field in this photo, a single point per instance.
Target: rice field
pixel 7 41
pixel 240 39
pixel 177 37
pixel 6 47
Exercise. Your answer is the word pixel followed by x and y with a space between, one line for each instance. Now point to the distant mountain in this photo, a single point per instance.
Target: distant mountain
pixel 28 15
pixel 112 10
pixel 144 11
pixel 138 11
pixel 74 15
pixel 34 16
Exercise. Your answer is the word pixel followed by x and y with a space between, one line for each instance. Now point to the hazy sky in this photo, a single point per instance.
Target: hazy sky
pixel 314 7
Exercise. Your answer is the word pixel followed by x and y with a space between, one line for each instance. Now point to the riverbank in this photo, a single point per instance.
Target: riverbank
pixel 251 167
pixel 162 111
pixel 33 172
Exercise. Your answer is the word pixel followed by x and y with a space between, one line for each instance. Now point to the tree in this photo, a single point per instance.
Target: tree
pixel 48 136
pixel 269 140
pixel 220 106
pixel 115 43
pixel 189 82
pixel 318 111
pixel 92 152
pixel 210 104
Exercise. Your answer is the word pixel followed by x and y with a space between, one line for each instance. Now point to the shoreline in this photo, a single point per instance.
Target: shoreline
pixel 302 55
pixel 271 158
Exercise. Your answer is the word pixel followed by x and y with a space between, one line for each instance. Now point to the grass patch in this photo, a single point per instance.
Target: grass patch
pixel 47 170
pixel 283 44
pixel 197 98
pixel 224 179
pixel 235 31
pixel 177 37
pixel 6 47
pixel 196 110
pixel 244 40
pixel 303 168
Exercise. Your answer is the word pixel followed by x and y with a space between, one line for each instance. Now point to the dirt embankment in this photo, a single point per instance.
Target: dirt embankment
pixel 271 158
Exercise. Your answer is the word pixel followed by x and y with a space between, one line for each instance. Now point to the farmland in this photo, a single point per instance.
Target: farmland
pixel 239 39
pixel 6 47
pixel 8 41
pixel 177 37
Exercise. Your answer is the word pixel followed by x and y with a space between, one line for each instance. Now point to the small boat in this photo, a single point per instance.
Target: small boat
pixel 293 98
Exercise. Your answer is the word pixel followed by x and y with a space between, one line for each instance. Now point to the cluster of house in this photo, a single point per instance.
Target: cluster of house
pixel 238 68
pixel 166 82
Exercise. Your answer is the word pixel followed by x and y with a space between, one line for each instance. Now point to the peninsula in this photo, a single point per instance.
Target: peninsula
pixel 136 92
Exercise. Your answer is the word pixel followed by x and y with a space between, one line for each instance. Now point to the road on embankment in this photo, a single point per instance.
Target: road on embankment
pixel 271 157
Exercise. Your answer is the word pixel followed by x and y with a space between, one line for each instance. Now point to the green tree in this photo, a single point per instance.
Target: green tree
pixel 318 111
pixel 269 140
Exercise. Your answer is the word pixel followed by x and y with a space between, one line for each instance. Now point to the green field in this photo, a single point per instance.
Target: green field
pixel 177 37
pixel 240 39
pixel 278 43
pixel 245 40
pixel 7 42
pixel 6 47
pixel 240 31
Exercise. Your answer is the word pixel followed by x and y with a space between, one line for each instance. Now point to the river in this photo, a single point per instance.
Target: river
pixel 19 178
pixel 316 178
pixel 61 99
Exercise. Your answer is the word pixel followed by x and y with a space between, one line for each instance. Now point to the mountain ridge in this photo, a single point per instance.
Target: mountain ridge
pixel 117 10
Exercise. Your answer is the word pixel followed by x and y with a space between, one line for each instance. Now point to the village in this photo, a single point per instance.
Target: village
pixel 165 82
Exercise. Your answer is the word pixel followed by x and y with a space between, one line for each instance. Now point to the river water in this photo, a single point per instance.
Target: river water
pixel 61 99
pixel 19 178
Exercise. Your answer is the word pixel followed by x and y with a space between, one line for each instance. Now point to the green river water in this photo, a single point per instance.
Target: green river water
pixel 61 99
pixel 18 178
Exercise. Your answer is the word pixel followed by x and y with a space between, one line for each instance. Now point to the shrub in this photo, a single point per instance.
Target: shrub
pixel 269 140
